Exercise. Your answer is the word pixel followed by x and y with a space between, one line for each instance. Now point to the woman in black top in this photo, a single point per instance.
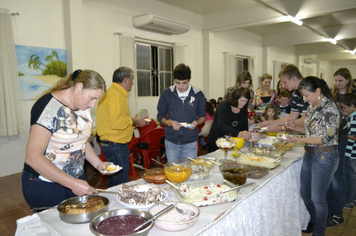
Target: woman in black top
pixel 230 118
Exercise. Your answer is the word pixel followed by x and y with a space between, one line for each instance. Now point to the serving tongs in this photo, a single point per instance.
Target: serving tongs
pixel 176 188
pixel 209 161
pixel 238 187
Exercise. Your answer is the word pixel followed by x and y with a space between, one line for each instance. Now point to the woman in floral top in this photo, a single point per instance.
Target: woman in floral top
pixel 264 95
pixel 321 157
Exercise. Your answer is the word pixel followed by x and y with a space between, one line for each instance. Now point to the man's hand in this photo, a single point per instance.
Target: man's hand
pixel 139 122
pixel 174 124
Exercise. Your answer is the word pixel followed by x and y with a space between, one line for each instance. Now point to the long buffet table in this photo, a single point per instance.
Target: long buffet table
pixel 272 207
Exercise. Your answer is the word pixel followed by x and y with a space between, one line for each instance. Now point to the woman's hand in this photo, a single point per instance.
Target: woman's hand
pixel 255 137
pixel 103 165
pixel 291 139
pixel 81 188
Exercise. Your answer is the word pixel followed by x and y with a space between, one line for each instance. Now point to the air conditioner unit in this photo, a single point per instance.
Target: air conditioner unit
pixel 161 25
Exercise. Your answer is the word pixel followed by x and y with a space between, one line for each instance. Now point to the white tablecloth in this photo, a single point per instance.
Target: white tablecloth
pixel 273 207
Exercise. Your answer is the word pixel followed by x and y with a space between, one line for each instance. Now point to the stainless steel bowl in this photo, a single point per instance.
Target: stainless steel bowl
pixel 124 211
pixel 80 218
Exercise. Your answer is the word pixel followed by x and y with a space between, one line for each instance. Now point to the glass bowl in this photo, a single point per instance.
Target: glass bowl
pixel 199 171
pixel 173 220
pixel 283 146
pixel 155 176
pixel 234 172
pixel 225 143
pixel 178 171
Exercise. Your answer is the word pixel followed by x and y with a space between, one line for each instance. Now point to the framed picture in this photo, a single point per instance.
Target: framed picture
pixel 39 69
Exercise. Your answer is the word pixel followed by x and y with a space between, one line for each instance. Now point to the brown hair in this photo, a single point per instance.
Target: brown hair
pixel 89 78
pixel 284 94
pixel 235 96
pixel 344 72
pixel 290 71
pixel 275 111
pixel 242 77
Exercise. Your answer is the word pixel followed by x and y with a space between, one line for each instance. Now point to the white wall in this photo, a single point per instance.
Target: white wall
pixel 41 24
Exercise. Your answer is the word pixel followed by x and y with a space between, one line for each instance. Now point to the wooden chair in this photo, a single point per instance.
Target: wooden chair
pixel 154 136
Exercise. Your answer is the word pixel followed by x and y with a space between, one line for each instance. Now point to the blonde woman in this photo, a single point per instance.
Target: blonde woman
pixel 264 95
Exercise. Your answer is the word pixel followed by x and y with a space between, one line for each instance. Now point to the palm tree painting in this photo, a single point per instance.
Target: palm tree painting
pixel 39 69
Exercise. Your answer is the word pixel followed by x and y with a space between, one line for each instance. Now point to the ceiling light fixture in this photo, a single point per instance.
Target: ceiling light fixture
pixel 299 22
pixel 294 20
pixel 333 41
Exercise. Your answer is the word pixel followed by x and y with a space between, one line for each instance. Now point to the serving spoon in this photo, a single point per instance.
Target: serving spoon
pixel 181 211
pixel 155 216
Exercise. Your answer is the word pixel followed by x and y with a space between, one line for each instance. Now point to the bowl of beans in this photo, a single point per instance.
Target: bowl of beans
pixel 122 221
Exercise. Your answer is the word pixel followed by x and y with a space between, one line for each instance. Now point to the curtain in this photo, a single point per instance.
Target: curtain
pixel 229 70
pixel 11 119
pixel 251 66
pixel 127 58
pixel 276 68
pixel 178 54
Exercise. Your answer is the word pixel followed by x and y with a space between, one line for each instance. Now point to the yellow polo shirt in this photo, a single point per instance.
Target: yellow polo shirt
pixel 114 121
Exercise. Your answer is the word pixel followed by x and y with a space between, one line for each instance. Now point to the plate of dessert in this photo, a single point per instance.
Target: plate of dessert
pixel 206 193
pixel 138 196
pixel 110 169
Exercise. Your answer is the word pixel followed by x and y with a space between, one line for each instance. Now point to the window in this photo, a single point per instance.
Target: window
pixel 154 68
pixel 241 65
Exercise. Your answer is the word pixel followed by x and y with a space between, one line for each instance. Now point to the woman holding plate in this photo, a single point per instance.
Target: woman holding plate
pixel 321 157
pixel 231 118
pixel 58 143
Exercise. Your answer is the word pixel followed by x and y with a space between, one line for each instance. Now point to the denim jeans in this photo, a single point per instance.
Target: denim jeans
pixel 39 193
pixel 118 154
pixel 337 190
pixel 350 172
pixel 315 177
pixel 174 151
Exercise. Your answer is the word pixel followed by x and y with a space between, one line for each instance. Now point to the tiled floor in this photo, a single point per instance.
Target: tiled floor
pixel 13 205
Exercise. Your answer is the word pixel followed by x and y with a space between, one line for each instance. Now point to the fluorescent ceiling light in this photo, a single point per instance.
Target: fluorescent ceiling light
pixel 352 52
pixel 331 40
pixel 294 20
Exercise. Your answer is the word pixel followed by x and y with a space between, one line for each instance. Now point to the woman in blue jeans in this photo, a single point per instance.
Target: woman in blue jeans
pixel 321 157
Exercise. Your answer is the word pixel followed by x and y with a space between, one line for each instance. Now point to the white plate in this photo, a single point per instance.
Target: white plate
pixel 141 206
pixel 185 124
pixel 103 171
pixel 148 120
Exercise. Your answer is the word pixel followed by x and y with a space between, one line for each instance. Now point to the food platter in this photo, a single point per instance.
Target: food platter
pixel 138 196
pixel 259 161
pixel 140 206
pixel 207 193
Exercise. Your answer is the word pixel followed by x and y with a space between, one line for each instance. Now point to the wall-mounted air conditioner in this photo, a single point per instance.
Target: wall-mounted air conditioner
pixel 161 25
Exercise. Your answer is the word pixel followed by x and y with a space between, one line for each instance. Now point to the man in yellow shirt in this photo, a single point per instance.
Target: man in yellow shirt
pixel 115 125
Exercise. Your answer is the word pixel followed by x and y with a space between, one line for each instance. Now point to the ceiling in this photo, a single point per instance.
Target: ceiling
pixel 322 19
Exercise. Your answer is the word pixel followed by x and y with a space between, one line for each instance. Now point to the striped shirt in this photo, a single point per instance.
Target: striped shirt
pixel 350 146
pixel 298 104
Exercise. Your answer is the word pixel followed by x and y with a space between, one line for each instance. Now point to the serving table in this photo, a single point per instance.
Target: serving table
pixel 272 207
